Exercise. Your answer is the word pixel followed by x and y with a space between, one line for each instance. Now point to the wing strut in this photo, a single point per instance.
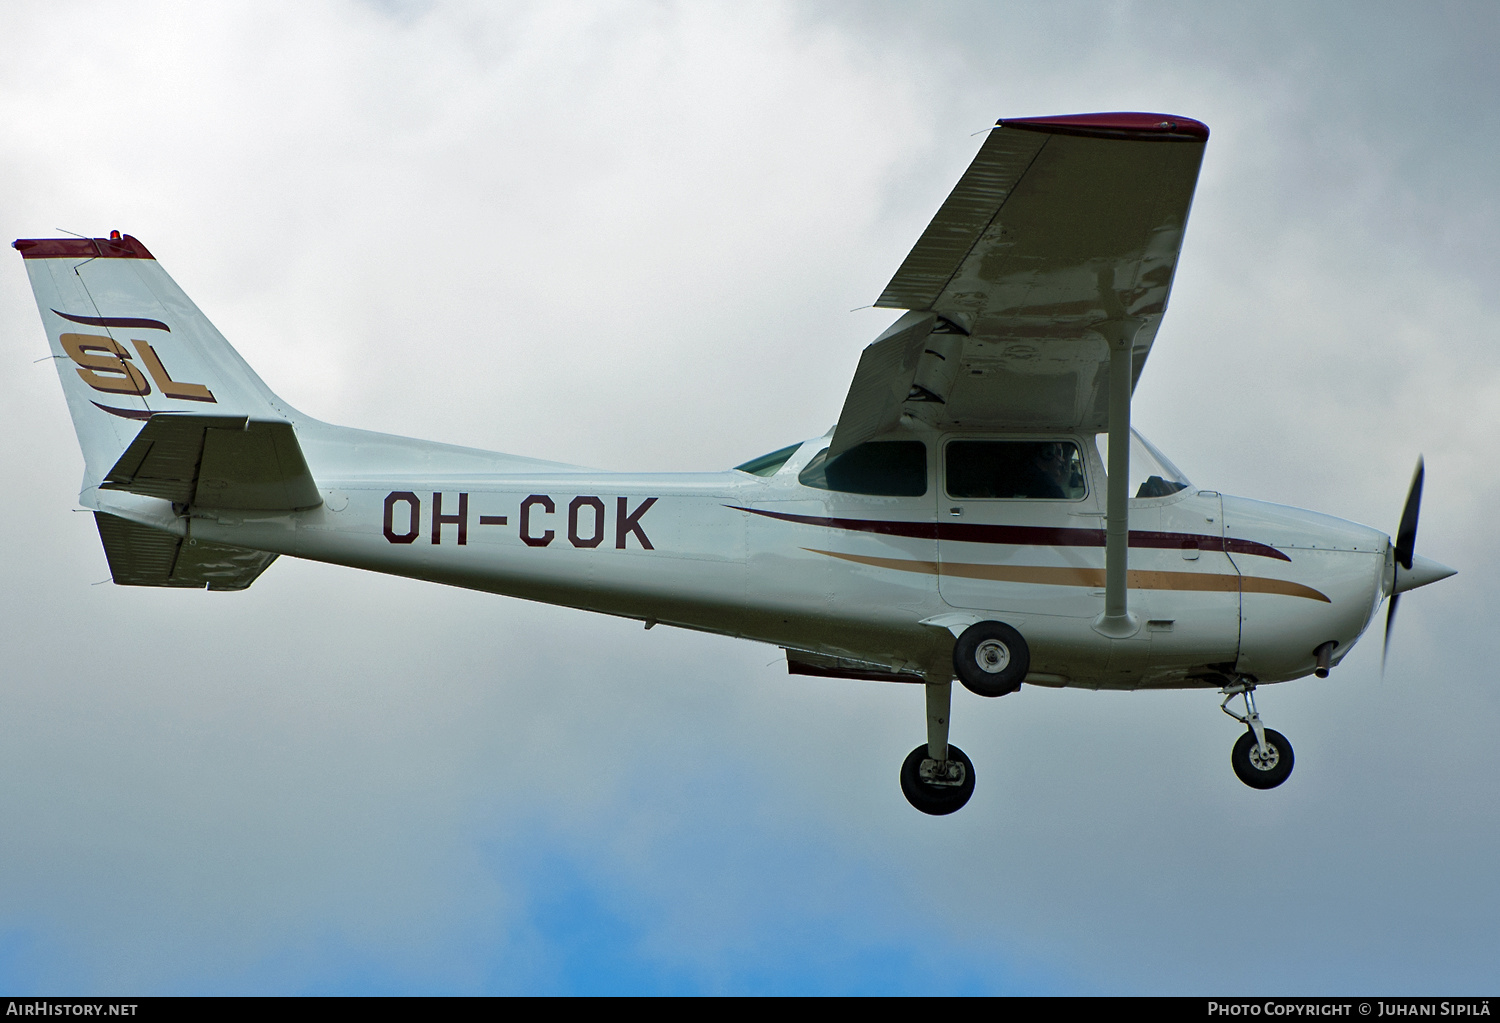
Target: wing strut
pixel 1117 622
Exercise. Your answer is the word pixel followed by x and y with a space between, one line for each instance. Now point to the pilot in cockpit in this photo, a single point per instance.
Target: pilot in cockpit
pixel 1051 474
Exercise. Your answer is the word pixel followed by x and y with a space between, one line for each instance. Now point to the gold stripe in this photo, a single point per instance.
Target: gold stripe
pixel 899 564
pixel 1140 579
pixel 1255 584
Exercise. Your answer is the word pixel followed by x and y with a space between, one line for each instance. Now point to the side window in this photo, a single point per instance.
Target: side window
pixel 896 468
pixel 1034 469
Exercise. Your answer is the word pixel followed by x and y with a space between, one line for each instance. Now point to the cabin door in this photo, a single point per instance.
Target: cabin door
pixel 1019 526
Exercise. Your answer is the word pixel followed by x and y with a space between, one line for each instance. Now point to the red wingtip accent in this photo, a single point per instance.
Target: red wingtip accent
pixel 1123 124
pixel 81 248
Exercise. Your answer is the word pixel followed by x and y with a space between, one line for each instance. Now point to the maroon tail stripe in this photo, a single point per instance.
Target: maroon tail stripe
pixel 1029 536
pixel 116 321
pixel 124 413
pixel 81 248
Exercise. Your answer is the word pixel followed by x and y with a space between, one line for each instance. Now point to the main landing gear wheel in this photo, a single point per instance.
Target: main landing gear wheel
pixel 991 659
pixel 937 788
pixel 1262 769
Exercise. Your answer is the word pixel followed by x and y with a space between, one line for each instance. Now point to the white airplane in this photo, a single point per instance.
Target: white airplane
pixel 982 509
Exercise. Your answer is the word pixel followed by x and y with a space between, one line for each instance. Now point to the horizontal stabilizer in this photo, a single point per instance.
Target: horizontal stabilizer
pixel 217 462
pixel 142 556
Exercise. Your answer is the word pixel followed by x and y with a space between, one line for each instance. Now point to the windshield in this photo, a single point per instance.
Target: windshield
pixel 1152 474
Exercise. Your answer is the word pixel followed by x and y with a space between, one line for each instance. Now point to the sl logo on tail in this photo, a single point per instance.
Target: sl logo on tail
pixel 105 364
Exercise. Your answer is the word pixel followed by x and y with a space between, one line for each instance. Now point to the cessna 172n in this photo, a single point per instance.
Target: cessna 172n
pixel 982 510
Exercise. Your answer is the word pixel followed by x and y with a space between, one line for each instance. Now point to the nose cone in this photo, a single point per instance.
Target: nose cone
pixel 1422 571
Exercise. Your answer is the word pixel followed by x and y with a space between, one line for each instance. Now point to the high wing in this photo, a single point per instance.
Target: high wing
pixel 1061 236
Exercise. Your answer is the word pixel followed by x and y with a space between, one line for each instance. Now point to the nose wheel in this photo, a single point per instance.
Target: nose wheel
pixel 1262 757
pixel 1262 765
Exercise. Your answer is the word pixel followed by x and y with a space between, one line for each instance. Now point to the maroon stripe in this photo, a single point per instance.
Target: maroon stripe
pixel 1127 125
pixel 921 530
pixel 116 321
pixel 1236 546
pixel 81 248
pixel 125 413
pixel 1029 536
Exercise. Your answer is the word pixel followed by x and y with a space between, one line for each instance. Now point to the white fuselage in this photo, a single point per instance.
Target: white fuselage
pixel 1221 586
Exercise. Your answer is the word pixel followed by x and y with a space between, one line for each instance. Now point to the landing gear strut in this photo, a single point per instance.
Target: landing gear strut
pixel 1262 758
pixel 937 778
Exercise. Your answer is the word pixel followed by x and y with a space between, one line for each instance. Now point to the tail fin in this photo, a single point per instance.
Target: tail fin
pixel 129 344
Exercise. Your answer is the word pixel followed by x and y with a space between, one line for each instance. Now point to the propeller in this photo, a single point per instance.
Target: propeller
pixel 1406 542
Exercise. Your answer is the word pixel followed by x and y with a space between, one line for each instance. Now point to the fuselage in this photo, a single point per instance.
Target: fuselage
pixel 1220 586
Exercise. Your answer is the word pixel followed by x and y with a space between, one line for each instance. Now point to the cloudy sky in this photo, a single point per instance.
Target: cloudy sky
pixel 630 235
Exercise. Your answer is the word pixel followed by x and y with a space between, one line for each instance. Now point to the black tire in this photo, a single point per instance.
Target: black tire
pixel 991 659
pixel 936 800
pixel 1257 773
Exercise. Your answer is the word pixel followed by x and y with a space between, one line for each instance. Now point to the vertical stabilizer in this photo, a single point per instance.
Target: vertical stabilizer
pixel 128 343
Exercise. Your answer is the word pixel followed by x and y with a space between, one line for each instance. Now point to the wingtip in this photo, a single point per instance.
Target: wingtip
pixel 1116 124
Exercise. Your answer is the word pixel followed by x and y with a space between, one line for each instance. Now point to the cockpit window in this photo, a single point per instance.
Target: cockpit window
pixel 1034 469
pixel 896 468
pixel 769 465
pixel 1151 473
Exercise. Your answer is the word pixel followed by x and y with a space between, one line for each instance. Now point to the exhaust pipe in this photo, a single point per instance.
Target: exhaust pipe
pixel 1324 654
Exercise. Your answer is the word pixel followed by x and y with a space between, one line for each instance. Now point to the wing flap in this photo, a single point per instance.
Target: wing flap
pixel 801 662
pixel 882 382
